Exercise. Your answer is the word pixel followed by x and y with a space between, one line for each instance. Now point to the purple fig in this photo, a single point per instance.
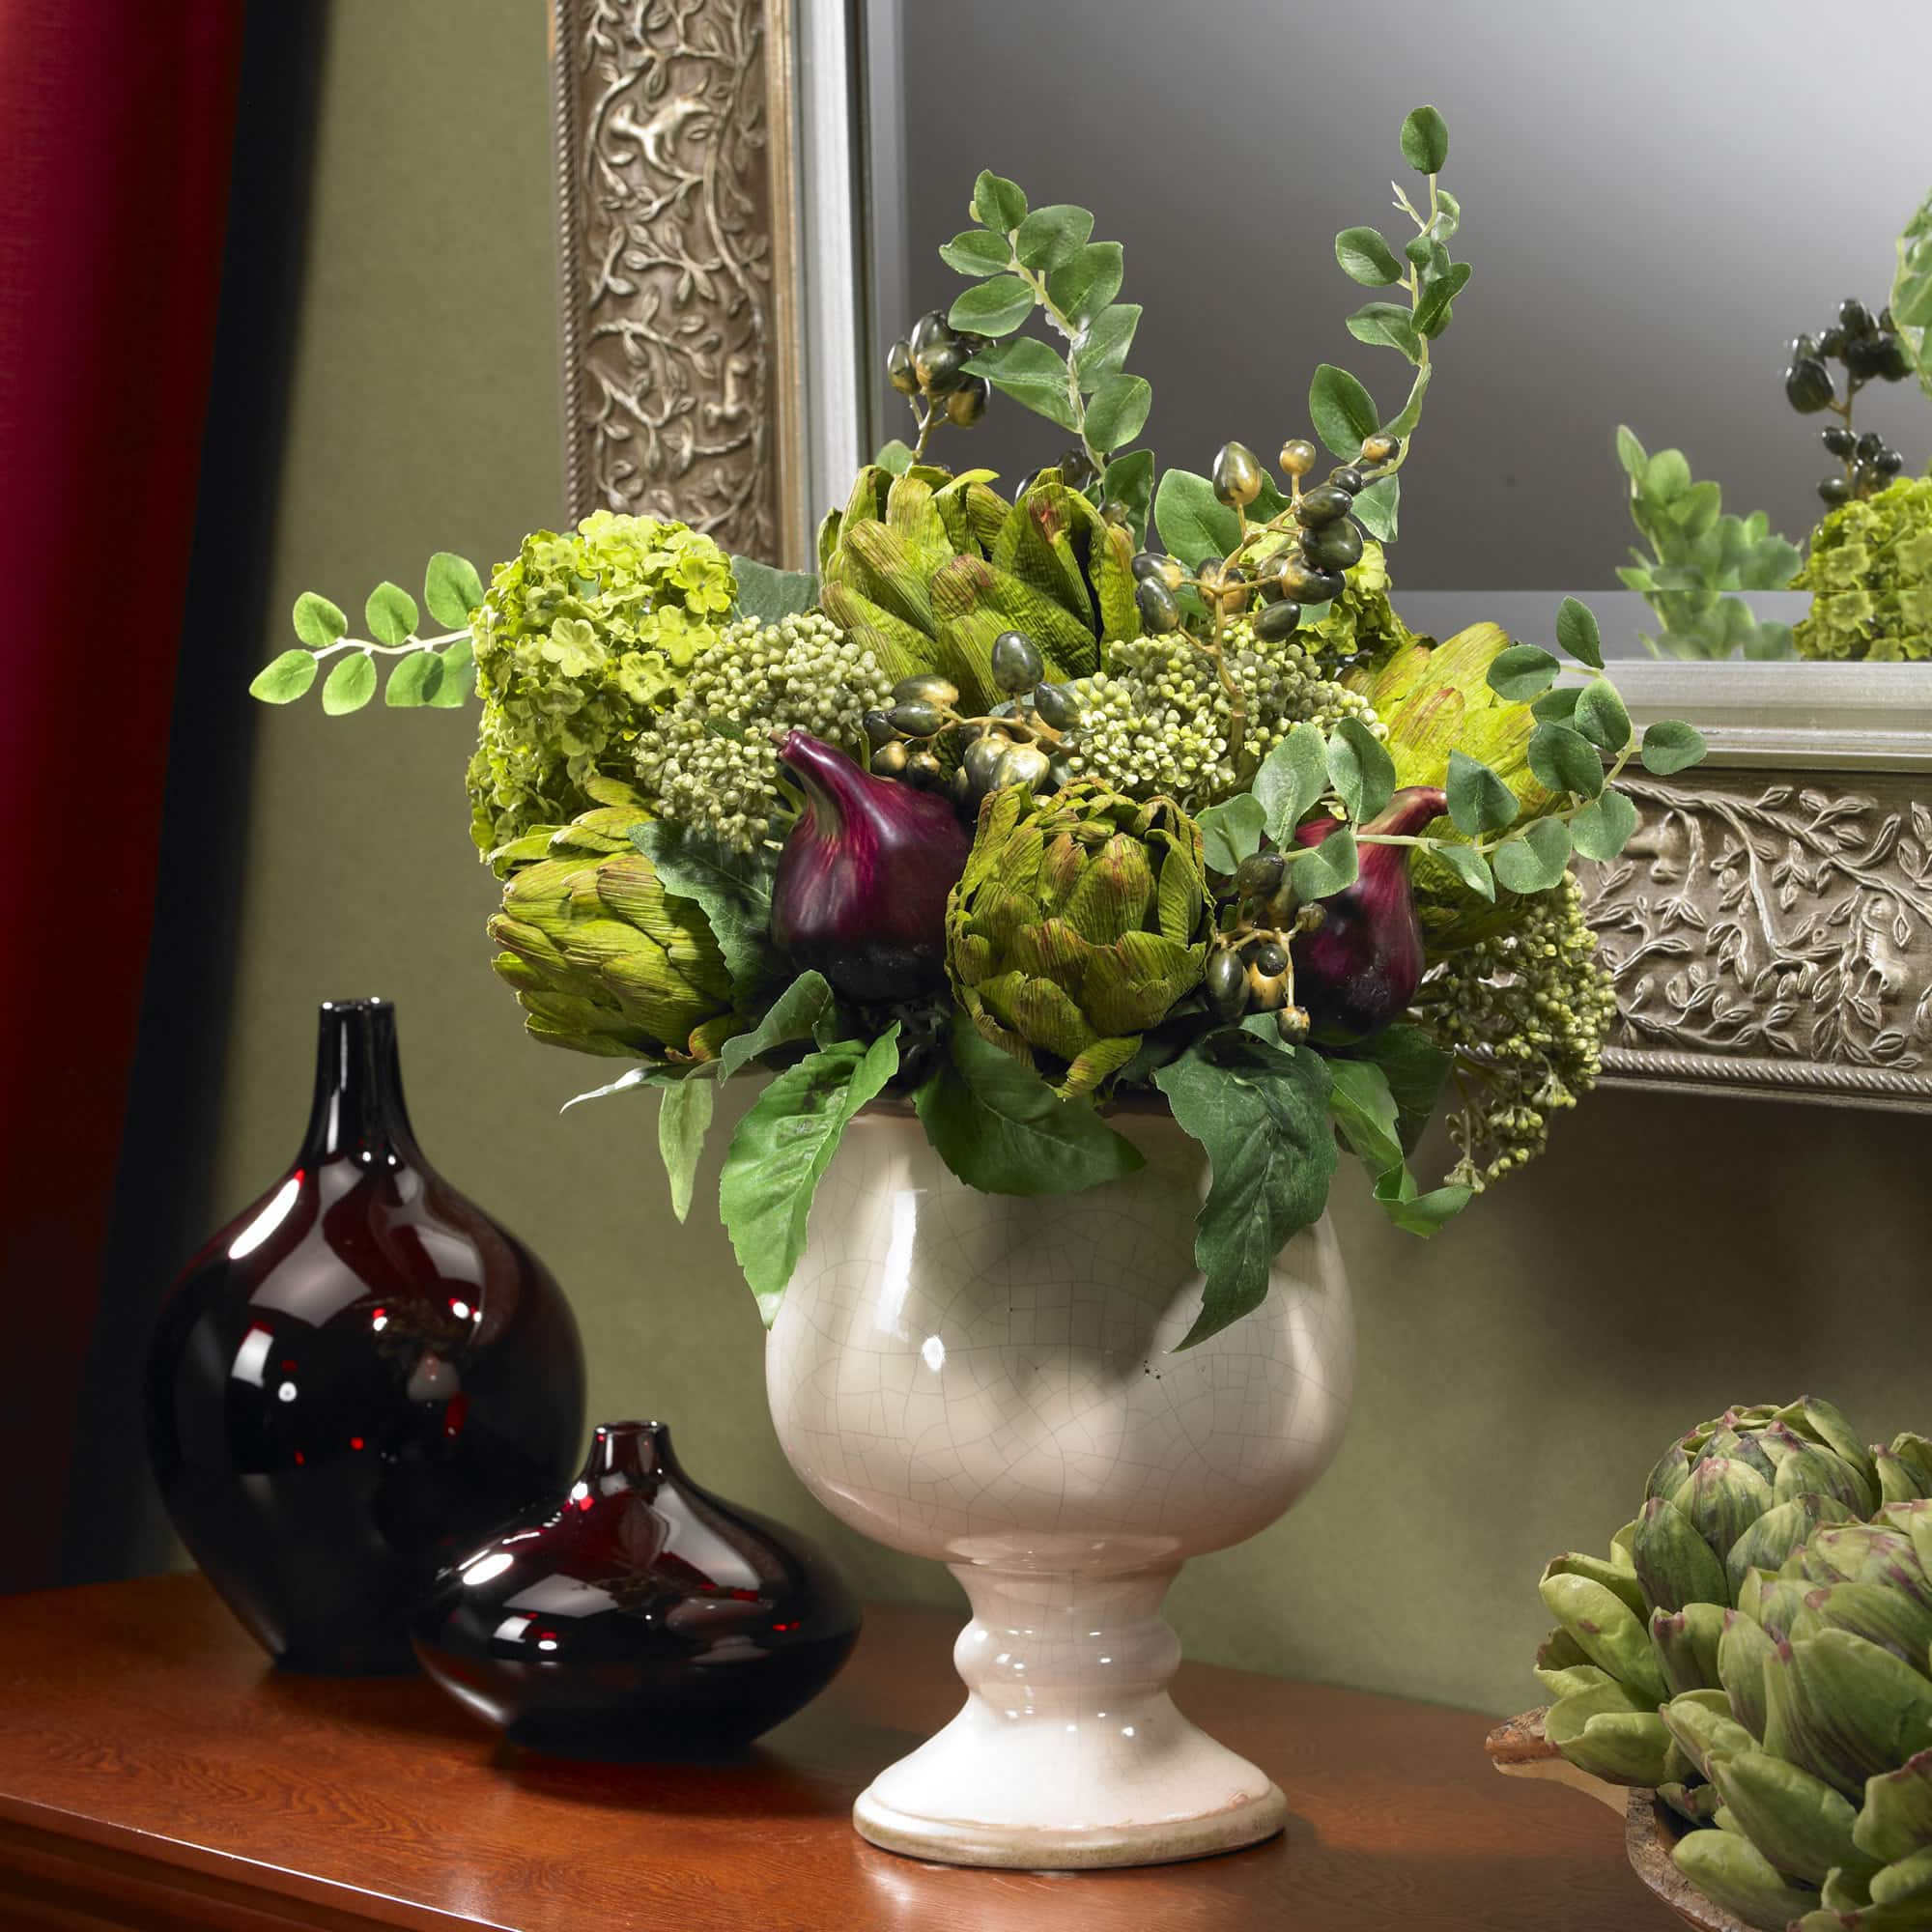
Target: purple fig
pixel 1358 970
pixel 863 881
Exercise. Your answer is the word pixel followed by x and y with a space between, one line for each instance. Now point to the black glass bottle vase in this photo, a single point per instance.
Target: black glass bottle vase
pixel 637 1616
pixel 358 1378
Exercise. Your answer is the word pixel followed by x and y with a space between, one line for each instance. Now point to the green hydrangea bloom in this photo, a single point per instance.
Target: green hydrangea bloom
pixel 584 639
pixel 1870 578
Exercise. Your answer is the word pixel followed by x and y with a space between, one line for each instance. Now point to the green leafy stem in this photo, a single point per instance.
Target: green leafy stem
pixel 433 671
pixel 1025 259
pixel 1578 728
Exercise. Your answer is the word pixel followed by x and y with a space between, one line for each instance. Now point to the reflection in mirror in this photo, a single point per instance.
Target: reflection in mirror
pixel 1660 201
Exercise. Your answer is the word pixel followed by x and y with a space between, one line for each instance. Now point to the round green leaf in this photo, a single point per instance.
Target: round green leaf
pixel 975 253
pixel 391 612
pixel 1564 761
pixel 1081 286
pixel 350 684
pixel 1027 370
pixel 451 588
pixel 1479 802
pixel 285 679
pixel 318 621
pixel 1232 832
pixel 1053 235
pixel 1601 716
pixel 1578 633
pixel 413 679
pixel 1522 672
pixel 1387 325
pixel 1101 347
pixel 1118 410
pixel 996 307
pixel 458 678
pixel 1377 506
pixel 1365 257
pixel 1361 769
pixel 1425 141
pixel 1535 858
pixel 1671 746
pixel 1470 867
pixel 998 201
pixel 1602 828
pixel 1342 411
pixel 1331 866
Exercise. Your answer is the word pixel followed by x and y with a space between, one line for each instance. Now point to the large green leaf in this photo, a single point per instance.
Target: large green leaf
pixel 802 1012
pixel 781 1151
pixel 1001 1128
pixel 1416 1070
pixel 684 1116
pixel 732 888
pixel 1261 1113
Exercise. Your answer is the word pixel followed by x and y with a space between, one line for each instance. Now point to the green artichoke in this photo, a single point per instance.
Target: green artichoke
pixel 1079 921
pixel 582 640
pixel 1731 1500
pixel 927 569
pixel 1870 578
pixel 603 959
pixel 1815 1748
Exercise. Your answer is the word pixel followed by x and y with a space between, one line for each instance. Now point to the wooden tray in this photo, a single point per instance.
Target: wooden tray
pixel 1519 1748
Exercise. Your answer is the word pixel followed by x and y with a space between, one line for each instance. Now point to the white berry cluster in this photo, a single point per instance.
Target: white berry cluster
pixel 709 761
pixel 1156 722
pixel 1526 1013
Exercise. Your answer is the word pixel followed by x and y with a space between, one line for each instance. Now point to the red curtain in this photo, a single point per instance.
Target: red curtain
pixel 116 118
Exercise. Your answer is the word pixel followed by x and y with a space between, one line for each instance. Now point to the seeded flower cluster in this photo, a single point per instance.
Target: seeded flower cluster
pixel 1526 1013
pixel 710 762
pixel 579 641
pixel 1156 722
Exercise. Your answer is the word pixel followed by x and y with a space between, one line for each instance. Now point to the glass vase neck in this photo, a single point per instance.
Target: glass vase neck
pixel 358 1109
pixel 638 1451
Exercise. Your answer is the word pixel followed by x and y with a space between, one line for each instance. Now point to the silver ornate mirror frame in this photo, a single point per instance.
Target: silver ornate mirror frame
pixel 1770 925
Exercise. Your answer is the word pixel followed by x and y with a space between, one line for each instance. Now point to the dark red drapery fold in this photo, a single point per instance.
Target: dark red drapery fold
pixel 116 118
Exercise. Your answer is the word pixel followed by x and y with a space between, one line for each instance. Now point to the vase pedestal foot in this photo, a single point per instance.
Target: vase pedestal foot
pixel 1068 1751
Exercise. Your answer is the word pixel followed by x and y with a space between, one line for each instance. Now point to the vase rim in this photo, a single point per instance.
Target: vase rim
pixel 628 1449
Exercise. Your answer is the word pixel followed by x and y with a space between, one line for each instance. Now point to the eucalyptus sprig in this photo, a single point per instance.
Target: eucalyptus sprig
pixel 1581 744
pixel 1700 554
pixel 1025 259
pixel 1236 526
pixel 433 671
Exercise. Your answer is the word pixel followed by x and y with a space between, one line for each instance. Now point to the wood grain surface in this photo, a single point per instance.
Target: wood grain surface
pixel 155 1773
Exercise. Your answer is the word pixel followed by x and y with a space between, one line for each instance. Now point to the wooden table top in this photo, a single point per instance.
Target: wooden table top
pixel 155 1773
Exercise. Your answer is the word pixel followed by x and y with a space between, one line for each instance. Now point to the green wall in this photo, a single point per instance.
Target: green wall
pixel 1518 1376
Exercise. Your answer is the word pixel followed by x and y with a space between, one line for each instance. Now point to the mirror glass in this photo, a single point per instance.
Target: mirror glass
pixel 1656 197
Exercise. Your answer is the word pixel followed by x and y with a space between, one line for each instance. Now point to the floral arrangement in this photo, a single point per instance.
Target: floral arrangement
pixel 1015 810
pixel 1870 564
pixel 1757 1648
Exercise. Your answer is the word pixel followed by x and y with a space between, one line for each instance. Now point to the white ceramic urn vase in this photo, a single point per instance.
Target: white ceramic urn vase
pixel 989 1380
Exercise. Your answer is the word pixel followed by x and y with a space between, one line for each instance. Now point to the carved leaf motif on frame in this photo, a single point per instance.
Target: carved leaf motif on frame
pixel 668 282
pixel 1777 920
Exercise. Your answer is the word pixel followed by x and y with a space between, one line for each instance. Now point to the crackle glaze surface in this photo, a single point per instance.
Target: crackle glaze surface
pixel 988 1380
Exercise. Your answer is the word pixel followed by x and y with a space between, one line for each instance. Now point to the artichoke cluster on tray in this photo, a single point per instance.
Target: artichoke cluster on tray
pixel 1757 1647
pixel 1029 798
